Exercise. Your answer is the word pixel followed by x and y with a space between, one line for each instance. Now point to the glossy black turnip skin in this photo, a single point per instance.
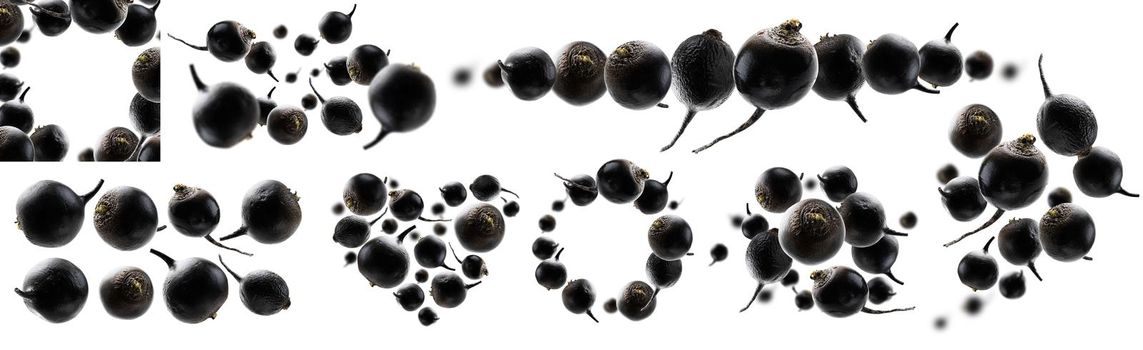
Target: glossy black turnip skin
pixel 365 194
pixel 430 252
pixel 18 114
pixel 663 273
pixel 193 211
pixel 962 198
pixel 878 258
pixel 151 149
pixel 427 316
pixel 1065 123
pixel 670 237
pixel 1059 196
pixel 839 66
pixel 638 75
pixel 261 58
pixel 338 71
pixel 880 291
pixel 195 288
pixel 776 67
pixel 978 269
pixel 864 218
pixel 529 73
pixel 229 41
pixel 838 182
pixel 947 173
pixel 754 225
pixel 139 26
pixel 487 187
pixel 777 189
pixel 405 204
pixel 978 65
pixel 225 113
pixel 305 45
pixel 336 27
pixel 840 75
pixel 578 297
pixel 551 274
pixel 410 296
pixel 364 62
pixel 99 16
pixel 473 266
pixel 383 261
pixel 50 214
pixel 654 197
pixel 402 99
pixel 45 20
pixel 270 212
pixel 1019 243
pixel 620 181
pixel 1067 232
pixel 1012 285
pixel 1014 174
pixel 839 291
pixel 1099 173
pixel 55 289
pixel 448 290
pixel 891 64
pixel 581 189
pixel 941 62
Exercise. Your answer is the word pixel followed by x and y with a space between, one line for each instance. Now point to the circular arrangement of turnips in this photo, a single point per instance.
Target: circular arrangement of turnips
pixel 23 137
pixel 669 237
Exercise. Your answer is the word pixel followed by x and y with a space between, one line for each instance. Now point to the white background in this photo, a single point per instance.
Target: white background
pixel 477 130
